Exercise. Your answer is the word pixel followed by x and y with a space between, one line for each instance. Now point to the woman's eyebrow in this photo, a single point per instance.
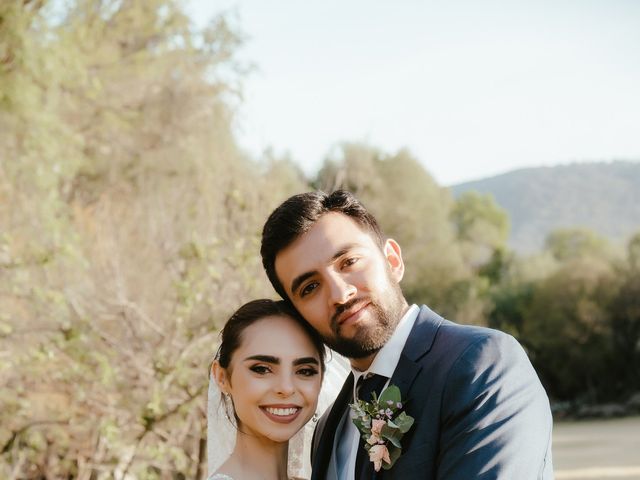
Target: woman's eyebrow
pixel 276 360
pixel 264 358
pixel 304 360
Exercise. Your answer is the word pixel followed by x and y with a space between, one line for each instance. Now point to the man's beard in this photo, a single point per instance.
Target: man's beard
pixel 368 339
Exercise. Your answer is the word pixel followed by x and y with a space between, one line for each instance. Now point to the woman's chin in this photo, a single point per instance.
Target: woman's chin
pixel 284 434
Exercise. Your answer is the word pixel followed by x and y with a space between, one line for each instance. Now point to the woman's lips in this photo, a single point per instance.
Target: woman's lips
pixel 281 414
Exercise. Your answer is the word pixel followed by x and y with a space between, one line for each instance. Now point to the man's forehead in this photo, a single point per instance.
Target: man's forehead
pixel 330 234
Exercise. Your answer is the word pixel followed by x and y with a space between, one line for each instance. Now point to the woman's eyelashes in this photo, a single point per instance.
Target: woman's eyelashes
pixel 306 371
pixel 260 369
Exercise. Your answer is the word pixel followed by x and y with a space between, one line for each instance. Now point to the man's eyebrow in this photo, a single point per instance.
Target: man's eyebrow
pixel 264 358
pixel 300 279
pixel 303 360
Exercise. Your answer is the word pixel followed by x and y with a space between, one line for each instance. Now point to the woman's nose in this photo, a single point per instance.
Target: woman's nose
pixel 285 386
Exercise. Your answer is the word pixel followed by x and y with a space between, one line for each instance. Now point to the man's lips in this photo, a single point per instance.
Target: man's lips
pixel 352 314
pixel 281 413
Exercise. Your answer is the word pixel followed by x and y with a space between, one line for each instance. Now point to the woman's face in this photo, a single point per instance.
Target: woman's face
pixel 274 378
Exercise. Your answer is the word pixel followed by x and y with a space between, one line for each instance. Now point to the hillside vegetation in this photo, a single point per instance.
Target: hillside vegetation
pixel 603 197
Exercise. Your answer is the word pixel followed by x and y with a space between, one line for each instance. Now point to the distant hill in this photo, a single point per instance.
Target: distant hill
pixel 604 197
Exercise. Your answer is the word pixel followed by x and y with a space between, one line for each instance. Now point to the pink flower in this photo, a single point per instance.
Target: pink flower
pixel 376 427
pixel 373 439
pixel 378 454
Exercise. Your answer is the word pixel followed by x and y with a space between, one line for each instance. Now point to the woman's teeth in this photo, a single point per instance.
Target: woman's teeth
pixel 282 412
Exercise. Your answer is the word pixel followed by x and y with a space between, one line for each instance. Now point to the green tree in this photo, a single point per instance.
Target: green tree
pixel 625 320
pixel 482 228
pixel 566 244
pixel 129 226
pixel 567 328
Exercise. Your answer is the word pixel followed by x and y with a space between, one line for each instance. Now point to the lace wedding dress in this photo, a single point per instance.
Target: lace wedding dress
pixel 221 434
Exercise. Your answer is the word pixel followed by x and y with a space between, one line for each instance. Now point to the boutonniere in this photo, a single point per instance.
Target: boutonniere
pixel 382 423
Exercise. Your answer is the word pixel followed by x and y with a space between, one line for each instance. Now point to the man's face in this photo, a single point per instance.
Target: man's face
pixel 344 285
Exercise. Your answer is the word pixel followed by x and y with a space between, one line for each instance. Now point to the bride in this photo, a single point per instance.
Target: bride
pixel 269 370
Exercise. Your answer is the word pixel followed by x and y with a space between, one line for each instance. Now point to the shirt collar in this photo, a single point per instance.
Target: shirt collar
pixel 388 356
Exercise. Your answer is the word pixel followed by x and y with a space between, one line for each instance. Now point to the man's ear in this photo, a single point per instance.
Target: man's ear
pixel 220 376
pixel 393 255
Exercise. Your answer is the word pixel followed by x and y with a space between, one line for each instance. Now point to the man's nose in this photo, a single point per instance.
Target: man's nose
pixel 341 290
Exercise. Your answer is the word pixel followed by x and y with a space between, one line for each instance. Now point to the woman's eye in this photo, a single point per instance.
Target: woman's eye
pixel 260 369
pixel 308 371
pixel 310 287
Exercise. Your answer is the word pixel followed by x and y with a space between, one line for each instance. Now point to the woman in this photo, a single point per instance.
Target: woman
pixel 269 370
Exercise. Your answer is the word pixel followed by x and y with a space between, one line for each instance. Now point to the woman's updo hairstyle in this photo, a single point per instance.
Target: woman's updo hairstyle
pixel 248 314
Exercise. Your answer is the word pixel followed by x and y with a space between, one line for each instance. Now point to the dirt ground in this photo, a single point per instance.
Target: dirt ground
pixel 597 449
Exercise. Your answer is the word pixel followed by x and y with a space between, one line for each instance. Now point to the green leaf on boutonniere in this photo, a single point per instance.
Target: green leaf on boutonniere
pixel 390 394
pixel 394 454
pixel 393 435
pixel 404 422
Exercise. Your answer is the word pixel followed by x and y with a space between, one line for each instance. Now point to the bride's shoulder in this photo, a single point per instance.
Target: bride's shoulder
pixel 222 476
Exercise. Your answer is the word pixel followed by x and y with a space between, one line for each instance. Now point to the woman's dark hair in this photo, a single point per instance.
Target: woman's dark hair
pixel 248 314
pixel 296 215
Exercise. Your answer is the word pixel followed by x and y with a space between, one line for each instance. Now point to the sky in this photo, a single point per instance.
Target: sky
pixel 470 88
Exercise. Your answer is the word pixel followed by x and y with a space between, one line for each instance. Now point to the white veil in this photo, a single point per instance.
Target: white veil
pixel 221 434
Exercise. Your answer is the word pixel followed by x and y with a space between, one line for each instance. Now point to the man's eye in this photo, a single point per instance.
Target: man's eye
pixel 308 288
pixel 350 261
pixel 308 371
pixel 260 369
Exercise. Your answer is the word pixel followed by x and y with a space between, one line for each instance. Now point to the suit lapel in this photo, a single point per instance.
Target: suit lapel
pixel 422 334
pixel 404 375
pixel 322 456
pixel 418 344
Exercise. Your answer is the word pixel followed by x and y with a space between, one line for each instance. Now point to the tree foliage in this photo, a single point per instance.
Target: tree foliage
pixel 575 309
pixel 130 223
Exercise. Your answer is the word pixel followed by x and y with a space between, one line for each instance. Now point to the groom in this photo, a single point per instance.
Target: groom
pixel 479 408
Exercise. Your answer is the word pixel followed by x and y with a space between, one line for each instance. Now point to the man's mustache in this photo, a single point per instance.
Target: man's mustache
pixel 340 309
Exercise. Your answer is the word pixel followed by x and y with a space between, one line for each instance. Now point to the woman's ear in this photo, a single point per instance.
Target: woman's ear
pixel 220 376
pixel 393 255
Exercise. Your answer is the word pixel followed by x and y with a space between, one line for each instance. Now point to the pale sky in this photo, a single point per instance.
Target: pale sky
pixel 471 88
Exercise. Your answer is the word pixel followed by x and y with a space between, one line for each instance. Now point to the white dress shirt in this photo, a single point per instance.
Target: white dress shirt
pixel 385 362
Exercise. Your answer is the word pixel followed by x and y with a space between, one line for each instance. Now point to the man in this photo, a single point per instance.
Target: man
pixel 479 408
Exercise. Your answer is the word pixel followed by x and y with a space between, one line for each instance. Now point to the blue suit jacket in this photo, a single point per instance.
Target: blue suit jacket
pixel 479 408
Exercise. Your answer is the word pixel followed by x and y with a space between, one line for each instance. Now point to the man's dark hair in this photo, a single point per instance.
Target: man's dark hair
pixel 296 215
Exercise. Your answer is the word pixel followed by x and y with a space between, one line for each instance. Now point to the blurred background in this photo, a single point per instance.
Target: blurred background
pixel 144 142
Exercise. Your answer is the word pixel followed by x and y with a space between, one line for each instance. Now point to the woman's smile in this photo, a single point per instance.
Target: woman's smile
pixel 282 413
